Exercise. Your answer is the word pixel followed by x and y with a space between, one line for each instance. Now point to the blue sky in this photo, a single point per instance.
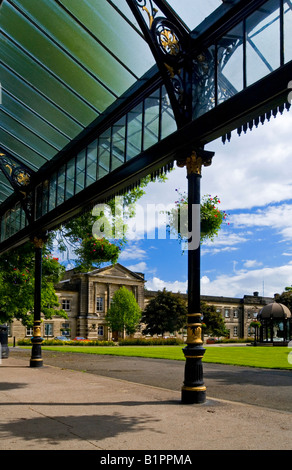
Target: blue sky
pixel 253 178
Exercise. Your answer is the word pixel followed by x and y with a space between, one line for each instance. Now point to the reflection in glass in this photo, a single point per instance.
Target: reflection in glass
pixel 104 153
pixel 134 132
pixel 168 123
pixel 204 82
pixel 287 31
pixel 70 178
pixel 80 171
pixel 151 120
pixel 230 64
pixel 118 143
pixel 91 163
pixel 263 41
pixel 61 186
pixel 52 192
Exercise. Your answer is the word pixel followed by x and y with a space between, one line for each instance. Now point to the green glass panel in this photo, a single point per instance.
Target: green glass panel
pixel 134 131
pixel 230 64
pixel 287 31
pixel 25 135
pixel 80 171
pixel 28 119
pixel 263 41
pixel 26 94
pixel 104 146
pixel 151 120
pixel 22 151
pixel 116 34
pixel 56 60
pixel 118 143
pixel 45 82
pixel 70 179
pixel 91 163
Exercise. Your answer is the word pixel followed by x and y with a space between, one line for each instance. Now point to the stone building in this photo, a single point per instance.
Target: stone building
pixel 86 298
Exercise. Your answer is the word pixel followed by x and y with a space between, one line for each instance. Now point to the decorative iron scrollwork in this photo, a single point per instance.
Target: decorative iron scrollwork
pixel 20 178
pixel 168 40
pixel 15 173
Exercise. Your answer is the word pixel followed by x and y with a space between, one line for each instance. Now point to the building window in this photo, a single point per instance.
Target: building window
pixel 48 329
pixel 99 304
pixel 66 304
pixel 65 329
pixel 226 313
pixel 29 331
pixel 235 331
pixel 235 313
pixel 100 330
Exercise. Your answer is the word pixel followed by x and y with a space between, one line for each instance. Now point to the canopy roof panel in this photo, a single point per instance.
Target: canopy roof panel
pixel 62 64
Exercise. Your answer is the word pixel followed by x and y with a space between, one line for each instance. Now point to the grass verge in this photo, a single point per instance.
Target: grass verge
pixel 249 356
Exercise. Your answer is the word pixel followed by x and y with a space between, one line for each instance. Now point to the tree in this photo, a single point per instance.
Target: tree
pixel 92 249
pixel 215 325
pixel 285 298
pixel 124 312
pixel 17 285
pixel 166 312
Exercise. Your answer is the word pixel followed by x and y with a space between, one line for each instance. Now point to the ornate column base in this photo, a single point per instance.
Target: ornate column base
pixel 36 351
pixel 194 390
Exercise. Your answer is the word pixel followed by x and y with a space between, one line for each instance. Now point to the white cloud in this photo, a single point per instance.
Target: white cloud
pixel 139 267
pixel 132 252
pixel 251 170
pixel 252 263
pixel 278 217
pixel 271 280
pixel 156 284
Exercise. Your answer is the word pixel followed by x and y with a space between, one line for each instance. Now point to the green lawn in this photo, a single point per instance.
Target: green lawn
pixel 264 357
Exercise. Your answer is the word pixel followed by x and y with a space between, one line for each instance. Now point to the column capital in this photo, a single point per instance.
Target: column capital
pixel 196 161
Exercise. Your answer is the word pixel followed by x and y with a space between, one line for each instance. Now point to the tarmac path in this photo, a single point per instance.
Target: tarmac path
pixel 253 386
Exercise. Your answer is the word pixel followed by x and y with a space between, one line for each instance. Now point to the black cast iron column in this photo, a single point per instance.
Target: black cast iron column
pixel 36 352
pixel 194 390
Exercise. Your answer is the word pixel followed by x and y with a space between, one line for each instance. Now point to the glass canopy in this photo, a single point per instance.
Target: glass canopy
pixel 65 65
pixel 62 64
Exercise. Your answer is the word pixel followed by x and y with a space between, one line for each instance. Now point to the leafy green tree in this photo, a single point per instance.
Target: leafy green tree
pixel 17 285
pixel 213 321
pixel 124 312
pixel 285 298
pixel 166 312
pixel 92 250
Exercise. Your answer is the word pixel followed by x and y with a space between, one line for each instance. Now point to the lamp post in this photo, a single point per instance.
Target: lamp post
pixel 193 389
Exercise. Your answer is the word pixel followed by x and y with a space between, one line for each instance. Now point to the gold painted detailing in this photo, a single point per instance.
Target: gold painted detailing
pixel 194 163
pixel 194 330
pixel 151 16
pixel 37 329
pixel 194 334
pixel 38 242
pixel 194 389
pixel 170 42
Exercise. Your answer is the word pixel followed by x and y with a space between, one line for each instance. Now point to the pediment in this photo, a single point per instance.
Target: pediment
pixel 117 271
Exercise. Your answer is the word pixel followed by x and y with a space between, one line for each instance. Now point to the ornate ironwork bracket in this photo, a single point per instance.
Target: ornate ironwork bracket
pixel 20 178
pixel 196 161
pixel 169 42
